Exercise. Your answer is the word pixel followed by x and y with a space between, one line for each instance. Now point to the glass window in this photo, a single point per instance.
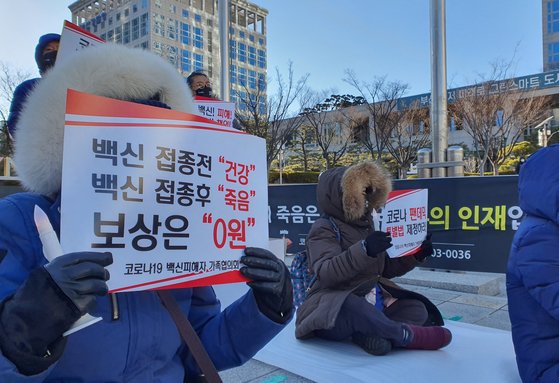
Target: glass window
pixel 261 82
pixel 185 62
pixel 110 35
pixel 126 12
pixel 172 29
pixel 242 53
pixel 198 38
pixel 134 8
pixel 198 62
pixel 118 34
pixel 232 74
pixel 242 76
pixel 261 59
pixel 198 18
pixel 232 49
pixel 553 16
pixel 126 33
pixel 241 34
pixel 185 34
pixel 185 13
pixel 252 79
pixel 252 55
pixel 251 38
pixel 144 24
pixel 135 28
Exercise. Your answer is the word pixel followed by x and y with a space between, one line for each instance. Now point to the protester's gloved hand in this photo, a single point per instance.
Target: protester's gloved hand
pixel 271 283
pixel 425 250
pixel 377 242
pixel 52 298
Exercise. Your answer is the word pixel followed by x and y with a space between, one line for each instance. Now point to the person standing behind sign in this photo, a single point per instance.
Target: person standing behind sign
pixel 137 340
pixel 45 57
pixel 533 270
pixel 353 297
pixel 200 85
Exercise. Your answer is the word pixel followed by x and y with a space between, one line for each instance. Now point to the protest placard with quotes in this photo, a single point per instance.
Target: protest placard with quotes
pixel 168 193
pixel 405 217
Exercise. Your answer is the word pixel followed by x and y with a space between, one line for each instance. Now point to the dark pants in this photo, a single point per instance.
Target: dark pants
pixel 357 316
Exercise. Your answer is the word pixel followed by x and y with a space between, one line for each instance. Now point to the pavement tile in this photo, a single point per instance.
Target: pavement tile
pixel 463 313
pixel 481 300
pixel 499 319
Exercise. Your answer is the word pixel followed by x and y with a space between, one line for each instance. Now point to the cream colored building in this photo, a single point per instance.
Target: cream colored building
pixel 186 33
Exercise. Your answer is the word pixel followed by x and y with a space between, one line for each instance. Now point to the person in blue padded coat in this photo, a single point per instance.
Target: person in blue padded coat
pixel 45 57
pixel 137 340
pixel 533 270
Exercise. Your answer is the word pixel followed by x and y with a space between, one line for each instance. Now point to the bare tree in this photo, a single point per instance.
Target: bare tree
pixel 382 100
pixel 332 124
pixel 409 133
pixel 10 78
pixel 301 140
pixel 272 117
pixel 495 114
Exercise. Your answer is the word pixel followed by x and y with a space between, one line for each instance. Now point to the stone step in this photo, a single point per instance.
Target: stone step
pixel 466 282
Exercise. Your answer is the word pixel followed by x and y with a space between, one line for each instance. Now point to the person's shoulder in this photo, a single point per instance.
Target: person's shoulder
pixel 26 86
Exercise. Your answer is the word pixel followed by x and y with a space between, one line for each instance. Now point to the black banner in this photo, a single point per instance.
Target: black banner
pixel 473 219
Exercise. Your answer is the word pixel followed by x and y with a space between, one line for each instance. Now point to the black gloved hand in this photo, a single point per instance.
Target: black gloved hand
pixel 81 276
pixel 271 283
pixel 46 305
pixel 377 242
pixel 426 249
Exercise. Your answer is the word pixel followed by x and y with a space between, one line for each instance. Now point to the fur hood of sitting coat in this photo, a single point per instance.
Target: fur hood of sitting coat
pixel 347 196
pixel 113 71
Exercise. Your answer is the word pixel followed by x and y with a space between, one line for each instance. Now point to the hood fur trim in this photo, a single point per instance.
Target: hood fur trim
pixel 357 179
pixel 107 70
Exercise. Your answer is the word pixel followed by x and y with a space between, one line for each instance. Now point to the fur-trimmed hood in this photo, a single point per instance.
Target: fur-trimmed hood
pixel 107 70
pixel 351 193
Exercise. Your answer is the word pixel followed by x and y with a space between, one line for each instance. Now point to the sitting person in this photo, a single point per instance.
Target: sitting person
pixel 353 297
pixel 533 270
pixel 137 339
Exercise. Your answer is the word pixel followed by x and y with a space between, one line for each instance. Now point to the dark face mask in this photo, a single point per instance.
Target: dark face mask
pixel 48 60
pixel 204 92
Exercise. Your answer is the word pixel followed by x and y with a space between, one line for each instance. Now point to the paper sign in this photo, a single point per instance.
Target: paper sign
pixel 168 193
pixel 405 218
pixel 73 39
pixel 222 112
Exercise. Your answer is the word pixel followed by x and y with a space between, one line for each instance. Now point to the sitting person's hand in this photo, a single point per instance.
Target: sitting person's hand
pixel 425 250
pixel 271 283
pixel 377 242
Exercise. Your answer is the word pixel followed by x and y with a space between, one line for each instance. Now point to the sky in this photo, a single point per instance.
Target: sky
pixel 324 38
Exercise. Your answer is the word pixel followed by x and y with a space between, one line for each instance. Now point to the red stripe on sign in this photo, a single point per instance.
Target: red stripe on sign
pixel 82 31
pixel 91 105
pixel 148 125
pixel 397 194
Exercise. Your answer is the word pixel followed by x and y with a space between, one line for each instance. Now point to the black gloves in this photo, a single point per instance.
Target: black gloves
pixel 46 305
pixel 271 283
pixel 81 276
pixel 377 242
pixel 426 249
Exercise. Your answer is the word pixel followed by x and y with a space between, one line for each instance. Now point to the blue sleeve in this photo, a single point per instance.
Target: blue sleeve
pixel 233 336
pixel 18 100
pixel 16 240
pixel 537 262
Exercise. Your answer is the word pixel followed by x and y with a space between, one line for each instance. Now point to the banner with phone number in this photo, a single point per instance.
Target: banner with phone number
pixel 472 219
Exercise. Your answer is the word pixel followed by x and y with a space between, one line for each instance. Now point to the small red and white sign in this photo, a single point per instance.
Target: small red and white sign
pixel 222 112
pixel 405 218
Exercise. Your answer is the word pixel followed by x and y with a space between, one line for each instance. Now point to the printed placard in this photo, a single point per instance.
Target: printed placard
pixel 405 218
pixel 74 39
pixel 168 193
pixel 222 112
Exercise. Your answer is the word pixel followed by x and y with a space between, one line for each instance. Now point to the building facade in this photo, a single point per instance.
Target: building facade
pixel 186 33
pixel 550 33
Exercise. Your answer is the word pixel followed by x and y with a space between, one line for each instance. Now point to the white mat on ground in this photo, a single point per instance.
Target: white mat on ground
pixel 475 354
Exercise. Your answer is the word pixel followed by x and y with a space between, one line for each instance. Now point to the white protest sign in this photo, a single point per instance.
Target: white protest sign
pixel 405 218
pixel 168 193
pixel 73 39
pixel 222 112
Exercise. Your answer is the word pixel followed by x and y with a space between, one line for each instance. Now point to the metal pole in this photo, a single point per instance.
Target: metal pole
pixel 223 10
pixel 439 132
